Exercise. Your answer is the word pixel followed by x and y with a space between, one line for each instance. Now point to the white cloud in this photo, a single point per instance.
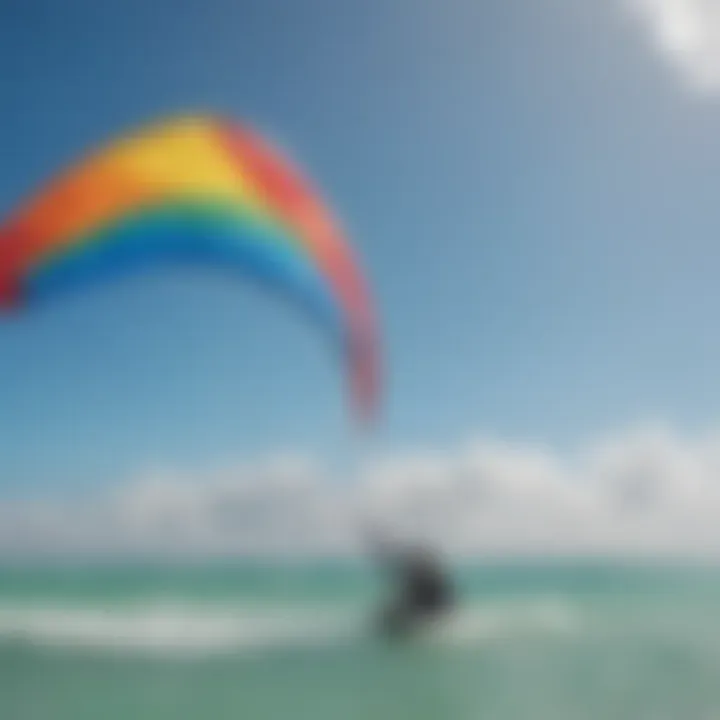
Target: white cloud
pixel 646 492
pixel 688 32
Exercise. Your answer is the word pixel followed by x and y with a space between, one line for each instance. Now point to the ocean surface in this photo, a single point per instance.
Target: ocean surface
pixel 537 642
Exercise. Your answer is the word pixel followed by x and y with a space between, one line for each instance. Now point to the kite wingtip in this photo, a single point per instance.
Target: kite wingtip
pixel 9 287
pixel 366 399
pixel 9 294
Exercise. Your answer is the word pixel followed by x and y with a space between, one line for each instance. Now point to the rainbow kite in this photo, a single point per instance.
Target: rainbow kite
pixel 201 190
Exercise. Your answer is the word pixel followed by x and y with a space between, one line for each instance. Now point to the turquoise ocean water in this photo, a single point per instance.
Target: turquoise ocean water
pixel 537 642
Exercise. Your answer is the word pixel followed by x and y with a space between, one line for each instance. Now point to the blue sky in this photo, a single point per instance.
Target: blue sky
pixel 531 186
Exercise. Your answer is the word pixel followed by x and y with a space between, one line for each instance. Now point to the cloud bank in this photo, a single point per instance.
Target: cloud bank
pixel 645 493
pixel 688 32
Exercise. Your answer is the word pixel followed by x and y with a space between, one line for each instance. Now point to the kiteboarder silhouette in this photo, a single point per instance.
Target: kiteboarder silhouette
pixel 421 589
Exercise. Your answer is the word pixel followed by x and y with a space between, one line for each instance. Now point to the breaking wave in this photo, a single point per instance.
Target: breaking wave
pixel 178 628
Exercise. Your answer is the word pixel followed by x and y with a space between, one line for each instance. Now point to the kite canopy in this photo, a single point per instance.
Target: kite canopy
pixel 198 190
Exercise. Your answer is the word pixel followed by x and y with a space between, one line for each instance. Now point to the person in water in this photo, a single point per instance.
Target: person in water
pixel 422 591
